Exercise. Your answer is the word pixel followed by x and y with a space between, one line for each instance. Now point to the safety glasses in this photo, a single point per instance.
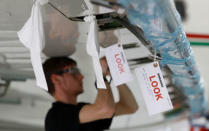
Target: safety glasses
pixel 72 70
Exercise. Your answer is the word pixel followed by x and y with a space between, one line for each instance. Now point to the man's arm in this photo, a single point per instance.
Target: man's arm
pixel 127 103
pixel 104 105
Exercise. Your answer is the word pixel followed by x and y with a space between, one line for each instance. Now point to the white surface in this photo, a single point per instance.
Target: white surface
pixel 197 21
pixel 15 12
pixel 180 125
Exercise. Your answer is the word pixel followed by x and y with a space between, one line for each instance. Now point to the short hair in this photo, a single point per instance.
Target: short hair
pixel 53 65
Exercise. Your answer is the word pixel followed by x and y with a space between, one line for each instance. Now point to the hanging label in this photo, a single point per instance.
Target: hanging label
pixel 153 88
pixel 118 64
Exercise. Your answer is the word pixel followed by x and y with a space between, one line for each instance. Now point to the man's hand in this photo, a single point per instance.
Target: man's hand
pixel 127 103
pixel 104 65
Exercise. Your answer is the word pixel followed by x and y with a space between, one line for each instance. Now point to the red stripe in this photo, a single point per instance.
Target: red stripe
pixel 197 36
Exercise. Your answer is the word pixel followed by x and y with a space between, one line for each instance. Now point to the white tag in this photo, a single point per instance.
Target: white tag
pixel 118 64
pixel 153 88
pixel 32 37
pixel 91 48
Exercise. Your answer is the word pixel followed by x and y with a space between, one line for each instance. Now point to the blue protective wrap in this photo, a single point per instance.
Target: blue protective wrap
pixel 162 26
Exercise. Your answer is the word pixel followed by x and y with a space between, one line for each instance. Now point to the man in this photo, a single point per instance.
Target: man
pixel 65 84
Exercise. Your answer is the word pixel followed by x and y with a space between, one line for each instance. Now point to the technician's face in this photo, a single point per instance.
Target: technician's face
pixel 73 80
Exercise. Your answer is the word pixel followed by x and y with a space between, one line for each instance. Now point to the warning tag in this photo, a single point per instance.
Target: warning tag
pixel 118 64
pixel 153 88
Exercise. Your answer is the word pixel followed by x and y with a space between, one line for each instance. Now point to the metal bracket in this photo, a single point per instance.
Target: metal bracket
pixel 5 86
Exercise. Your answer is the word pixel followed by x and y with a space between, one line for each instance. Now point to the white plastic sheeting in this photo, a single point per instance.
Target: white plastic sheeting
pixel 32 36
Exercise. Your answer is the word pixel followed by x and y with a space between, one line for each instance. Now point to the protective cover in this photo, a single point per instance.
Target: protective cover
pixel 162 26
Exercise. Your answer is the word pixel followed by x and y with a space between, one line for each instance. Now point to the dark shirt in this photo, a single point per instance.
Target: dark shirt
pixel 65 117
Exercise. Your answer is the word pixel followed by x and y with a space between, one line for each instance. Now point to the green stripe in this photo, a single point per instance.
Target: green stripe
pixel 199 43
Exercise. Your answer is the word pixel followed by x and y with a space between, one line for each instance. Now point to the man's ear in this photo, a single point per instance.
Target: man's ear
pixel 56 79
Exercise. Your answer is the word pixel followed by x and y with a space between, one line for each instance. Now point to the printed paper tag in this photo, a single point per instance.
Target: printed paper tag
pixel 118 64
pixel 153 88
